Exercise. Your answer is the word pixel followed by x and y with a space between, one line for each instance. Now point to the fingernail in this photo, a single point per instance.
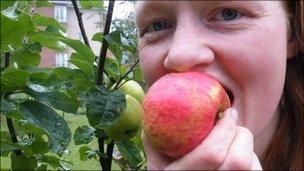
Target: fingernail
pixel 234 114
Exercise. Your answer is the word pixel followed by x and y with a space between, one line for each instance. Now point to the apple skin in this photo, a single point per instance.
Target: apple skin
pixel 180 110
pixel 129 123
pixel 134 89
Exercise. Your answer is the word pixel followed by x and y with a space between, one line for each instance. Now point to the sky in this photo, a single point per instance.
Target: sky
pixel 121 8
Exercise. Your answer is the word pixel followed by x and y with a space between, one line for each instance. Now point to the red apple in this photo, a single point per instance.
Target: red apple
pixel 180 110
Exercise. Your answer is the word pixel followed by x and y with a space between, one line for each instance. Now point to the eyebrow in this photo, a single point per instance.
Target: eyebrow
pixel 256 5
pixel 146 7
pixel 149 6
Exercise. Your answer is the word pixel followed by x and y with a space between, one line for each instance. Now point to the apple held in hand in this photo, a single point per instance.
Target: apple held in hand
pixel 180 110
pixel 129 123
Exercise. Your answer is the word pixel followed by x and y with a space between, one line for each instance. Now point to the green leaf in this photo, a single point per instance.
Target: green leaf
pixel 58 99
pixel 45 77
pixel 39 146
pixel 6 144
pixel 69 73
pixel 11 12
pixel 54 31
pixel 43 3
pixel 9 109
pixel 98 37
pixel 12 32
pixel 24 57
pixel 88 4
pixel 35 143
pixel 47 39
pixel 115 44
pixel 41 20
pixel 13 79
pixel 130 152
pixel 23 162
pixel 86 153
pixel 34 47
pixel 45 118
pixel 114 38
pixel 83 65
pixel 103 108
pixel 42 167
pixel 84 135
pixel 112 67
pixel 53 161
pixel 80 48
pixel 81 84
pixel 117 52
pixel 6 4
pixel 137 74
pixel 23 6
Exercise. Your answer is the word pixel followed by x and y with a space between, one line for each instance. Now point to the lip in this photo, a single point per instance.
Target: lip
pixel 224 83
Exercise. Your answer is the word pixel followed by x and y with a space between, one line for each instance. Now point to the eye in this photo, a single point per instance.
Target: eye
pixel 227 15
pixel 158 26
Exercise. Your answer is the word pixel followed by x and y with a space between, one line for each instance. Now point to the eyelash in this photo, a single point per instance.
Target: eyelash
pixel 218 14
pixel 150 28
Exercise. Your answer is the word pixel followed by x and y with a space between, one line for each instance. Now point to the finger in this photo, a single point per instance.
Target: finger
pixel 240 154
pixel 155 159
pixel 210 154
pixel 256 165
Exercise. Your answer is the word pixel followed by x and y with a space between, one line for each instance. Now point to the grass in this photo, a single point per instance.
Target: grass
pixel 74 121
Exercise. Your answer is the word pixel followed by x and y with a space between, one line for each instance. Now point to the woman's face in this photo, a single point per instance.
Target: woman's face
pixel 243 44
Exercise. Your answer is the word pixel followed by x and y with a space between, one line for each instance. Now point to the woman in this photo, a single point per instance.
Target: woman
pixel 255 49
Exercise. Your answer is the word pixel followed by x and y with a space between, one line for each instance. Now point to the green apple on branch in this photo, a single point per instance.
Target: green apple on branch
pixel 129 123
pixel 134 89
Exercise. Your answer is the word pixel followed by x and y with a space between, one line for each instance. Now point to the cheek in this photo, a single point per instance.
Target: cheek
pixel 255 53
pixel 258 66
pixel 151 61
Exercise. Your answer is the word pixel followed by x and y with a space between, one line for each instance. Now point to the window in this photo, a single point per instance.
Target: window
pixel 60 13
pixel 61 59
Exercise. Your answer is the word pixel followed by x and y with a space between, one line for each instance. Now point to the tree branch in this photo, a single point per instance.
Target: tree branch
pixel 103 52
pixel 82 29
pixel 109 154
pixel 125 75
pixel 80 22
pixel 9 121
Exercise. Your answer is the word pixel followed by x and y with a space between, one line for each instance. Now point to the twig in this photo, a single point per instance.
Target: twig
pixel 125 75
pixel 102 158
pixel 103 52
pixel 80 22
pixel 82 29
pixel 105 161
pixel 9 121
pixel 109 154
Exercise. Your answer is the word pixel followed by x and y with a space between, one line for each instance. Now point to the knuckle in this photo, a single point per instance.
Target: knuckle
pixel 240 163
pixel 245 132
pixel 213 157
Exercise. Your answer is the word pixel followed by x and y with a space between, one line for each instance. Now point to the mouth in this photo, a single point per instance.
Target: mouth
pixel 230 95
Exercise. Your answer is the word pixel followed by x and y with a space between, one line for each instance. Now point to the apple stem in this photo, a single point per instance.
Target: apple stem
pixel 220 115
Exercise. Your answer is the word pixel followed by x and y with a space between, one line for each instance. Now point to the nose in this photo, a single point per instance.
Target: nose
pixel 188 49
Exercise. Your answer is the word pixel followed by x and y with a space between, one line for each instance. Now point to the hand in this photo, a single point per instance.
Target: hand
pixel 227 147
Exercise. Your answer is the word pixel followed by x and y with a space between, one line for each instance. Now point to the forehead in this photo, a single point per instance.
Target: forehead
pixel 143 7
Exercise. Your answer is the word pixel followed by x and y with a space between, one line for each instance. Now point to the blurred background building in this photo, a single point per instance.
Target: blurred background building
pixel 63 11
